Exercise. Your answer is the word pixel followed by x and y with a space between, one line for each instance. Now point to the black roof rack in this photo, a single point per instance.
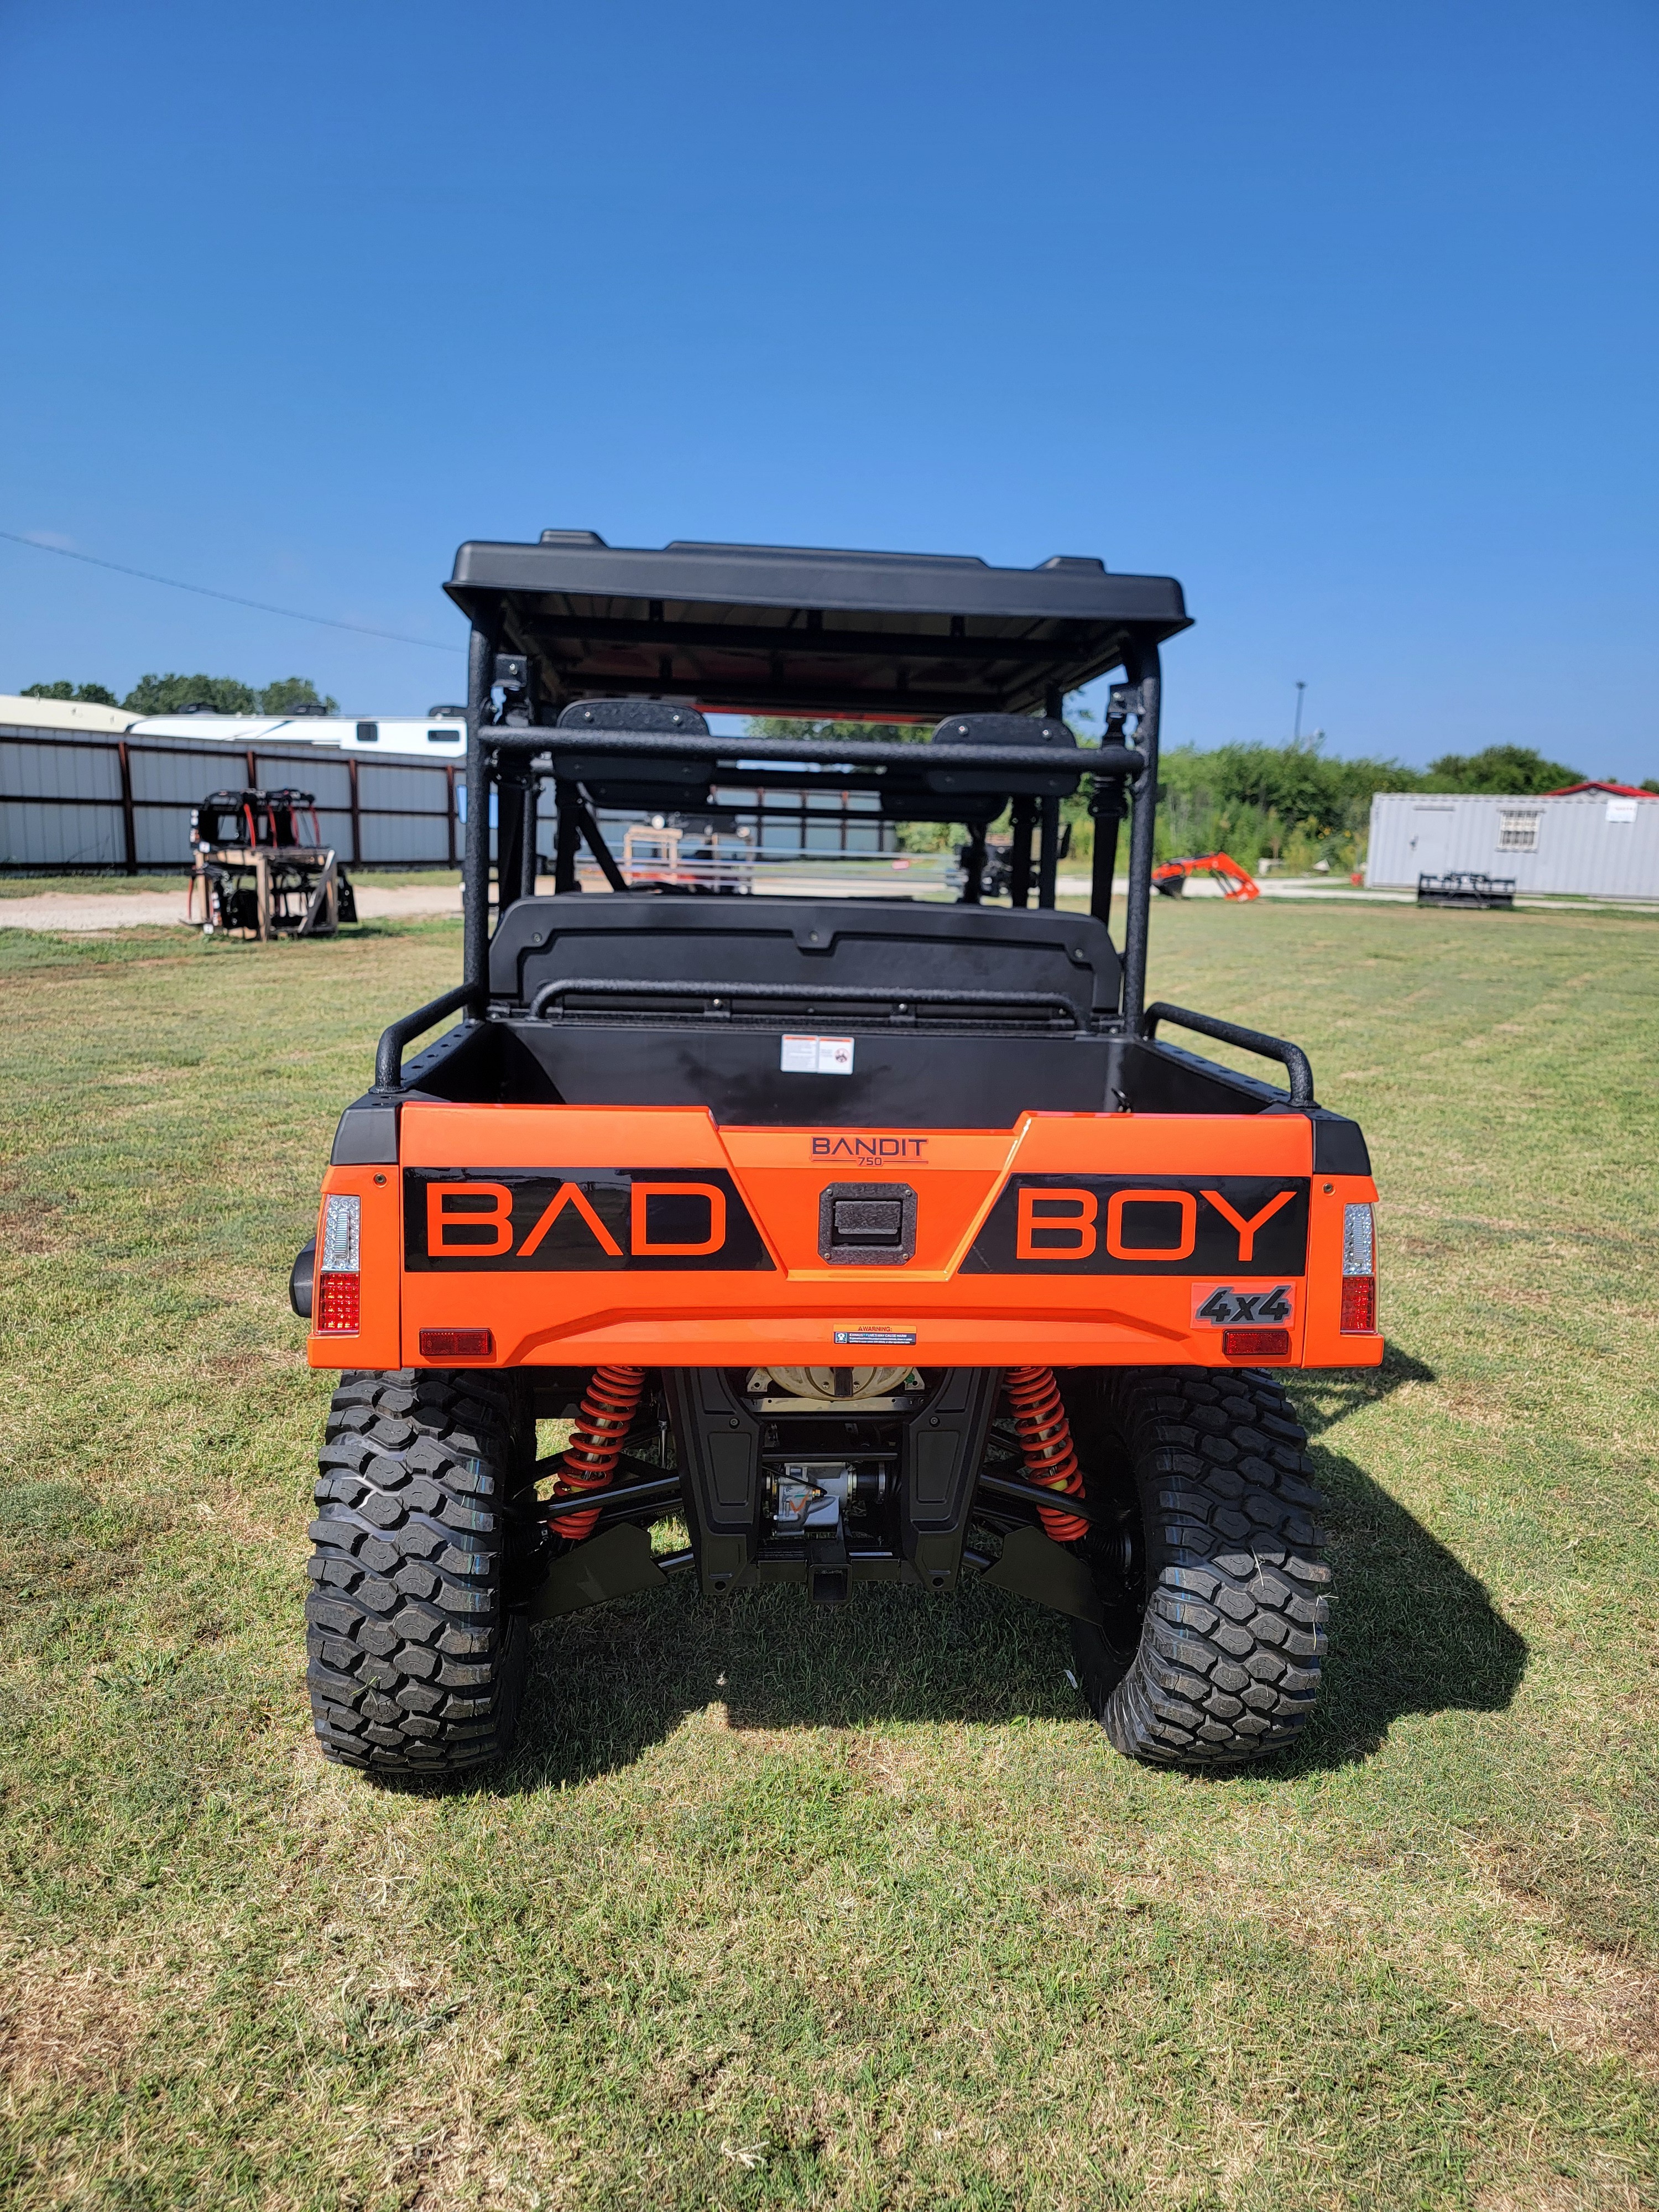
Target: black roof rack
pixel 606 655
pixel 800 631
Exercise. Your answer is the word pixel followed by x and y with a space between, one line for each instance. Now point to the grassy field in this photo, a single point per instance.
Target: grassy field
pixel 855 1910
pixel 22 886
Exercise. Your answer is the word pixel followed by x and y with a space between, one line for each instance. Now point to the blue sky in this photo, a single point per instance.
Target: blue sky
pixel 1344 315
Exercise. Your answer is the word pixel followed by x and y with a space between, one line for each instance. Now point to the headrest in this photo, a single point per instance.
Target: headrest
pixel 638 714
pixel 1000 729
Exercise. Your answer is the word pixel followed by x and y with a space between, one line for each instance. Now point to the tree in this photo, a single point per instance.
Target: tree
pixel 225 695
pixel 92 694
pixel 288 693
pixel 1502 768
pixel 171 695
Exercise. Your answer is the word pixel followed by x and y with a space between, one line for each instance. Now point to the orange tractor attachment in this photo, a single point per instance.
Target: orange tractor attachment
pixel 1169 876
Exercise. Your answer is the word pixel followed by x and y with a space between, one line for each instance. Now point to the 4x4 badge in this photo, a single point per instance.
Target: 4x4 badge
pixel 1223 1307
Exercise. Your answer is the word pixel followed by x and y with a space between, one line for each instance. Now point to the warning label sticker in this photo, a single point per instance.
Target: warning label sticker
pixel 816 1056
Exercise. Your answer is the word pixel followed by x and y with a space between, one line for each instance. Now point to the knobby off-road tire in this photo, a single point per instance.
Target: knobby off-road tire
pixel 1215 1588
pixel 416 1652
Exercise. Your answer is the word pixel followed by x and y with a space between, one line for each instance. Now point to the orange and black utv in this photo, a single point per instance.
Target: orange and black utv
pixel 864 1239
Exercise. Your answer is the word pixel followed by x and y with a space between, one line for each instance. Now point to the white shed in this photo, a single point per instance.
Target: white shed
pixel 1603 841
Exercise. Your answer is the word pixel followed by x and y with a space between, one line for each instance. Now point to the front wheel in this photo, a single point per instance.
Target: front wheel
pixel 1214 1589
pixel 416 1655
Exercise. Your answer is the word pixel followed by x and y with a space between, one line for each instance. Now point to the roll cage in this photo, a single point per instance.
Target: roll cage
pixel 587 661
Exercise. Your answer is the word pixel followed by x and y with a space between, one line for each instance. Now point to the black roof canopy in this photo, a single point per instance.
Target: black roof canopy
pixel 796 630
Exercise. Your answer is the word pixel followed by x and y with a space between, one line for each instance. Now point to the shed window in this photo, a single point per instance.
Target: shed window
pixel 368 733
pixel 1518 832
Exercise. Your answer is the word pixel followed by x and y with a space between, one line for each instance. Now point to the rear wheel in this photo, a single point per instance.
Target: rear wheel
pixel 422 1549
pixel 1211 1579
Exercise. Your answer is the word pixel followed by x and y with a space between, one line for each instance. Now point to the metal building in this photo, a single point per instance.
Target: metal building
pixel 70 803
pixel 1594 843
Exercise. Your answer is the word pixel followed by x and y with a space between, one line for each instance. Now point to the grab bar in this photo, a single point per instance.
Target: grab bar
pixel 1257 1041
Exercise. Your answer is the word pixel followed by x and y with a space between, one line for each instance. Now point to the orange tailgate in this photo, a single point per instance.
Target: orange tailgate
pixel 649 1235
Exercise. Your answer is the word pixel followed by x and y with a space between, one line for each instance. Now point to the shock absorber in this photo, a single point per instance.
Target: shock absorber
pixel 588 1461
pixel 1045 1438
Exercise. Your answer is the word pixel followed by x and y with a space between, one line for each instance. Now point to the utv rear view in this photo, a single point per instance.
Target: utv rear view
pixel 863 1239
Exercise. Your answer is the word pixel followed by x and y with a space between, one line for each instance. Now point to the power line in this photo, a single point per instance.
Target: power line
pixel 233 599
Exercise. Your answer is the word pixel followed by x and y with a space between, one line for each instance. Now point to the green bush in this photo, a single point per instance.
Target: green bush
pixel 1290 804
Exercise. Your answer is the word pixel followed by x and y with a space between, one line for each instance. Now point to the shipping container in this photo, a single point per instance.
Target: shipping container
pixel 1593 843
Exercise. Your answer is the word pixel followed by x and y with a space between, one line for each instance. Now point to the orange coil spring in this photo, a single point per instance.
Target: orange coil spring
pixel 1045 1438
pixel 589 1461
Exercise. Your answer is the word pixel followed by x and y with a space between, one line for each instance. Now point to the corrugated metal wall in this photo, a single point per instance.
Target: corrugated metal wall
pixel 1588 844
pixel 60 802
pixel 69 803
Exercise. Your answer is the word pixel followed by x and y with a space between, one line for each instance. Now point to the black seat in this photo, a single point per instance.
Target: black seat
pixel 660 715
pixel 959 1017
pixel 888 947
pixel 659 785
pixel 974 796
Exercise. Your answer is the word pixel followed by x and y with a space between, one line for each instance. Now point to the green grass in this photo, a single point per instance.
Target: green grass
pixel 24 886
pixel 776 1908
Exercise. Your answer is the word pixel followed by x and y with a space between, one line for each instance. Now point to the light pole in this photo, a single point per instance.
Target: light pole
pixel 1296 737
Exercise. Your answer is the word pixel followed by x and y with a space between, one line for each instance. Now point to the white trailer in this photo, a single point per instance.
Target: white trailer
pixel 440 735
pixel 1596 842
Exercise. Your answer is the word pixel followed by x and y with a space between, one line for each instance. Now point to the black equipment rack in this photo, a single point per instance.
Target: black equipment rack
pixel 1466 887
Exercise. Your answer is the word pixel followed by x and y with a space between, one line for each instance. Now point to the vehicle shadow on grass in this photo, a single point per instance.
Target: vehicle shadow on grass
pixel 1414 1632
pixel 607 1684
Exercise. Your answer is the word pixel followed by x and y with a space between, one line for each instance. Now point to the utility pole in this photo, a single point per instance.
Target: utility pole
pixel 1301 686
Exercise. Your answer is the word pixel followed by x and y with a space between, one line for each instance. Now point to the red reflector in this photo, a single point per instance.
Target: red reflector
pixel 338 1304
pixel 457 1343
pixel 1255 1343
pixel 1359 1306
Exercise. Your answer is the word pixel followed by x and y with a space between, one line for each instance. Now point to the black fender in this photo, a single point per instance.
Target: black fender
pixel 300 1280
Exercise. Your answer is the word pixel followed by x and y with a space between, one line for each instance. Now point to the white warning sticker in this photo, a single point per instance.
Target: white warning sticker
pixel 816 1056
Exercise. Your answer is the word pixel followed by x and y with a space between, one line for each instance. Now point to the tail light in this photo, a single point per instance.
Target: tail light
pixel 457 1344
pixel 338 1303
pixel 1359 1271
pixel 1256 1343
